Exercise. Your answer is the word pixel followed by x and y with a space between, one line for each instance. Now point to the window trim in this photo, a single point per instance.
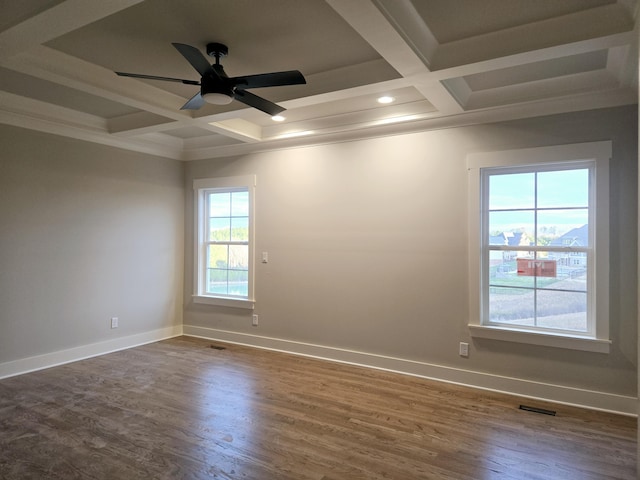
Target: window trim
pixel 600 153
pixel 200 188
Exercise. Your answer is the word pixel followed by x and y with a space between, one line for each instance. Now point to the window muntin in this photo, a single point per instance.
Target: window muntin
pixel 224 247
pixel 536 247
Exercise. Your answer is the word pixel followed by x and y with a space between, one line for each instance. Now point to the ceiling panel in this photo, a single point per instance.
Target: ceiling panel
pixel 452 20
pixel 556 67
pixel 263 36
pixel 14 12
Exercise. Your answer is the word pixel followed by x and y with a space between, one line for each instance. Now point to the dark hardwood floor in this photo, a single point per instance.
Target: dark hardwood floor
pixel 179 409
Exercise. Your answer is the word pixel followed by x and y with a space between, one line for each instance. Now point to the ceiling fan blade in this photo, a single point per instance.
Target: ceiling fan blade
pixel 275 79
pixel 154 77
pixel 194 57
pixel 258 102
pixel 194 103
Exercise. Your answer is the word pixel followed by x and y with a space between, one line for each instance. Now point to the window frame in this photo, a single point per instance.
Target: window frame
pixel 201 188
pixel 563 156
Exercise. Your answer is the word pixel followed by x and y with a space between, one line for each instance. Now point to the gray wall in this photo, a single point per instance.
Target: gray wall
pixel 86 233
pixel 367 244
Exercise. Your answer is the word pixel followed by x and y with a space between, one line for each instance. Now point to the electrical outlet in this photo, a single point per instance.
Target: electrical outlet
pixel 464 349
pixel 254 320
pixel 114 322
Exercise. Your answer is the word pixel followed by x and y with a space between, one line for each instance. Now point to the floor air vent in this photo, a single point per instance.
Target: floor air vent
pixel 218 347
pixel 538 410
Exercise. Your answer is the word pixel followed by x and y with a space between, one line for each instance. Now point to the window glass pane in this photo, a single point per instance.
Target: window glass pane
pixel 514 190
pixel 240 229
pixel 563 188
pixel 239 257
pixel 227 272
pixel 220 204
pixel 563 227
pixel 238 282
pixel 217 281
pixel 219 230
pixel 511 228
pixel 513 306
pixel 562 310
pixel 537 265
pixel 217 256
pixel 503 269
pixel 571 271
pixel 240 204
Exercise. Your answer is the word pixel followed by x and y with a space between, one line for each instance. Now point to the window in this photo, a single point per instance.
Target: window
pixel 539 245
pixel 224 241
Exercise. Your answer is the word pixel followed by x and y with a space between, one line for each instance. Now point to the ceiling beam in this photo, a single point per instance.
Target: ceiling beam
pixel 366 19
pixel 409 53
pixel 411 26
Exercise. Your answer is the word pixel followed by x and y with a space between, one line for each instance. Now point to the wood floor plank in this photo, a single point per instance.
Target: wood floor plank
pixel 181 409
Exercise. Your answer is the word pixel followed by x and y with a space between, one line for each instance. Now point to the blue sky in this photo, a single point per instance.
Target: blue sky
pixel 565 193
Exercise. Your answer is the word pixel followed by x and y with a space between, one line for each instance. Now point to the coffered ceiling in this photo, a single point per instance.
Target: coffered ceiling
pixel 444 62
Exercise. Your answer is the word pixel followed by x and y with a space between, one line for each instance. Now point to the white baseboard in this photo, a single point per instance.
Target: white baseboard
pixel 39 362
pixel 593 400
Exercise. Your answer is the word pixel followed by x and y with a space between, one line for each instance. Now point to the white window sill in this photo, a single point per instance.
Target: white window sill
pixel 224 301
pixel 572 342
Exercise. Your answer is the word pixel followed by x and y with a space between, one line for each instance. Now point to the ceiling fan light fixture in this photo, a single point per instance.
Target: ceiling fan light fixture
pixel 216 98
pixel 278 118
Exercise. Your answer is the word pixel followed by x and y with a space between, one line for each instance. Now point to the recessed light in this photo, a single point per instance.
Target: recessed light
pixel 386 99
pixel 278 118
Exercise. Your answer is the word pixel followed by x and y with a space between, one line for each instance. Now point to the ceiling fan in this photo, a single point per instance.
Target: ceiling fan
pixel 218 88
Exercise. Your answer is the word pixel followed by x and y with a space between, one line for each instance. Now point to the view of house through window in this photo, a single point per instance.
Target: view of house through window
pixel 537 247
